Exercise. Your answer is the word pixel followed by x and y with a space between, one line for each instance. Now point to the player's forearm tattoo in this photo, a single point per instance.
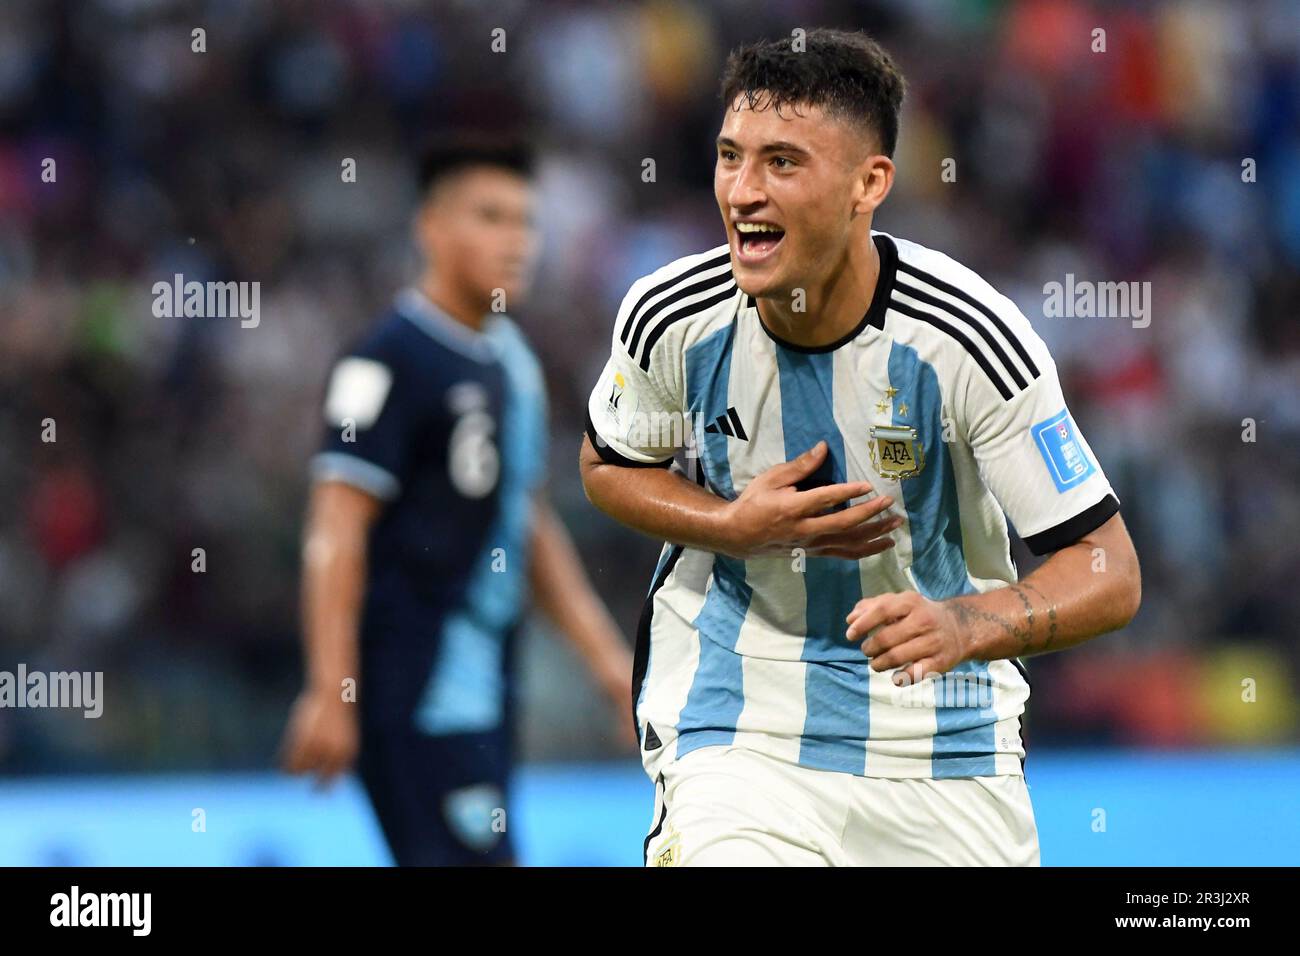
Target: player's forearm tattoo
pixel 967 615
pixel 1028 632
pixel 1051 616
pixel 1022 633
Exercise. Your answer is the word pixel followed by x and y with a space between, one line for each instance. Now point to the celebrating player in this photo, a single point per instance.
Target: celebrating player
pixel 428 529
pixel 827 666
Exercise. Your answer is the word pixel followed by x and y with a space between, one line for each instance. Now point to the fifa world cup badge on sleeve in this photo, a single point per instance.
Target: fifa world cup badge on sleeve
pixel 615 395
pixel 1066 460
pixel 896 452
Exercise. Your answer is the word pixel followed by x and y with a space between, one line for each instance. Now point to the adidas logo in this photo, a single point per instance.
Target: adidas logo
pixel 728 424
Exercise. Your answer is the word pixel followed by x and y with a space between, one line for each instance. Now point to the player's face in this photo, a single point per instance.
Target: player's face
pixel 787 186
pixel 477 229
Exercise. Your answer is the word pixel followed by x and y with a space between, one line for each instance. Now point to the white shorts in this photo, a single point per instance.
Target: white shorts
pixel 727 806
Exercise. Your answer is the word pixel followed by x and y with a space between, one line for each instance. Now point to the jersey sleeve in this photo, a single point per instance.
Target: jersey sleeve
pixel 1034 459
pixel 636 415
pixel 369 425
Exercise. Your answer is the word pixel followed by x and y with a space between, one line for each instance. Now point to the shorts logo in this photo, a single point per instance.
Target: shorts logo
pixel 896 452
pixel 1066 460
pixel 671 853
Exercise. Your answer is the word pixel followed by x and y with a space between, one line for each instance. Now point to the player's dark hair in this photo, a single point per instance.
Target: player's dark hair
pixel 845 73
pixel 450 154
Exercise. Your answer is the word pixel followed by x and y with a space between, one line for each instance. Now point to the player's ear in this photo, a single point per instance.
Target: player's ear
pixel 875 178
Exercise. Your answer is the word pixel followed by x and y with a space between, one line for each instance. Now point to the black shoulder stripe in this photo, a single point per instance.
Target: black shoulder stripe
pixel 956 333
pixel 685 292
pixel 962 316
pixel 668 284
pixel 971 300
pixel 691 309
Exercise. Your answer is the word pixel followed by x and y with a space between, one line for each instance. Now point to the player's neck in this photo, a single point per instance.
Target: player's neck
pixel 457 303
pixel 832 309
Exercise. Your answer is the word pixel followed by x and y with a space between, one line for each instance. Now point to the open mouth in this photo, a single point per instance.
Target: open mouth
pixel 756 241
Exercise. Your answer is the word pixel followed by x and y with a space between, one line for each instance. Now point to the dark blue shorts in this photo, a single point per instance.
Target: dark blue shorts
pixel 441 801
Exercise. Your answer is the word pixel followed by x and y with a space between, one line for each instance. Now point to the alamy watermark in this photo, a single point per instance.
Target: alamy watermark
pixel 78 690
pixel 209 300
pixel 949 689
pixel 133 911
pixel 666 430
pixel 1098 300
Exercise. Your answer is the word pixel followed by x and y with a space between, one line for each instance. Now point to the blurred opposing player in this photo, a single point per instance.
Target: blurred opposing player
pixel 862 411
pixel 428 531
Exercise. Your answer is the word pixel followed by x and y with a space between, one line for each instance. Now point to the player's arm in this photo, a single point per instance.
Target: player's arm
pixel 359 469
pixel 564 594
pixel 1089 588
pixel 770 516
pixel 1031 455
pixel 1082 591
pixel 659 502
pixel 322 736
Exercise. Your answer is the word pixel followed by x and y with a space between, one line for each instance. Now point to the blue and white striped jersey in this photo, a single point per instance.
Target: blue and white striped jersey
pixel 944 398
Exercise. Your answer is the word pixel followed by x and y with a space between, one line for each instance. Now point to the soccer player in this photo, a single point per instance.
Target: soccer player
pixel 863 414
pixel 428 531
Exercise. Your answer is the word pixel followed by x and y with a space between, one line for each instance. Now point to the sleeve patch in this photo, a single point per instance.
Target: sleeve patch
pixel 620 397
pixel 357 390
pixel 1066 460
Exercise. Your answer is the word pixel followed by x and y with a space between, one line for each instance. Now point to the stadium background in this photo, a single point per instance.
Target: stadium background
pixel 176 434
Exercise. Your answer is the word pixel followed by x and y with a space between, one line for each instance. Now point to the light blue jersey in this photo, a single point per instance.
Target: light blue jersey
pixel 944 398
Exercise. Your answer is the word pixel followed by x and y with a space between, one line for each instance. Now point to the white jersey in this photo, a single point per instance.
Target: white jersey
pixel 944 398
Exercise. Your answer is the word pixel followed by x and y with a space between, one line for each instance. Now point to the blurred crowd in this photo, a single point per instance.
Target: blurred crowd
pixel 1169 155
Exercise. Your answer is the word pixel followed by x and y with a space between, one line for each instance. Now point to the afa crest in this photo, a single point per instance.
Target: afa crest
pixel 896 451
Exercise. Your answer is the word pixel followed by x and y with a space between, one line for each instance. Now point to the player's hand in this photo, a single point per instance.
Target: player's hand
pixel 908 631
pixel 772 516
pixel 322 737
